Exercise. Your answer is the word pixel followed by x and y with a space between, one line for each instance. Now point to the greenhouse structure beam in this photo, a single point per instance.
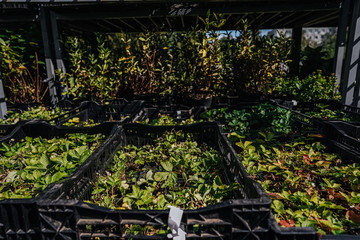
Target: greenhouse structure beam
pixel 351 76
pixel 341 40
pixel 296 50
pixel 3 108
pixel 53 54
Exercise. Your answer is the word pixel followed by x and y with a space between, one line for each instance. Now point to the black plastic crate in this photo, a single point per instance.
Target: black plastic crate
pixel 334 105
pixel 243 99
pixel 248 216
pixel 37 128
pixel 299 117
pixel 177 112
pixel 351 129
pixel 65 105
pixel 43 129
pixel 340 237
pixel 342 138
pixel 120 113
pixel 71 219
pixel 6 129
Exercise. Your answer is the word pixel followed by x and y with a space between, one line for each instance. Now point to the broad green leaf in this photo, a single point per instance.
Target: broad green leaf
pixel 44 160
pixel 161 176
pixel 278 206
pixel 167 165
pixel 11 176
pixel 57 176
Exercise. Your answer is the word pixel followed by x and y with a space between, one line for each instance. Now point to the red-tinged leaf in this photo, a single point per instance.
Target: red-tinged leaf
pixel 288 223
pixel 353 216
pixel 315 135
pixel 275 196
pixel 291 222
pixel 339 196
pixel 357 207
pixel 309 191
pixel 325 224
pixel 331 193
pixel 306 159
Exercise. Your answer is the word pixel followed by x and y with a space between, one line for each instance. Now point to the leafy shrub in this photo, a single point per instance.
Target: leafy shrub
pixel 313 87
pixel 254 61
pixel 95 76
pixel 20 68
pixel 175 63
pixel 262 117
pixel 33 113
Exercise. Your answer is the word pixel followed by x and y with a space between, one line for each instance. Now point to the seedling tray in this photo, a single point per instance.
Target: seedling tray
pixel 301 108
pixel 343 138
pixel 247 216
pixel 42 129
pixel 113 112
pixel 72 219
pixel 177 112
pixel 6 129
pixel 63 105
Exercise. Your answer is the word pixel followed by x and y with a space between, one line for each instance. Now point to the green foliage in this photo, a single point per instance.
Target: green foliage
pixel 262 117
pixel 20 67
pixel 313 87
pixel 309 187
pixel 31 114
pixel 175 63
pixel 325 113
pixel 173 171
pixel 94 75
pixel 321 57
pixel 31 164
pixel 165 120
pixel 253 62
pixel 75 122
pixel 234 121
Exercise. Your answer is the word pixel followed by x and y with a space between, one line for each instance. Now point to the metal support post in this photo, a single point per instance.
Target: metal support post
pixel 340 40
pixel 50 71
pixel 58 51
pixel 295 51
pixel 350 84
pixel 3 108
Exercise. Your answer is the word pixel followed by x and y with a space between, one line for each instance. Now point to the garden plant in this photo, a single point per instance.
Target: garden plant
pixel 31 164
pixel 172 171
pixel 309 186
pixel 39 112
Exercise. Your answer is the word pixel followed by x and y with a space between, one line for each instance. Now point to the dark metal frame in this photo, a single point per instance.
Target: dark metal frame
pixel 341 40
pixel 351 75
pixel 3 107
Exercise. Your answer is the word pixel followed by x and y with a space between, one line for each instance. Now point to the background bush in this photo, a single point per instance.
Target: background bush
pixel 103 66
pixel 175 63
pixel 312 87
pixel 20 68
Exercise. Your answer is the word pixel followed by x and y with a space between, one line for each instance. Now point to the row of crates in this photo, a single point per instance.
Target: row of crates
pixel 60 211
